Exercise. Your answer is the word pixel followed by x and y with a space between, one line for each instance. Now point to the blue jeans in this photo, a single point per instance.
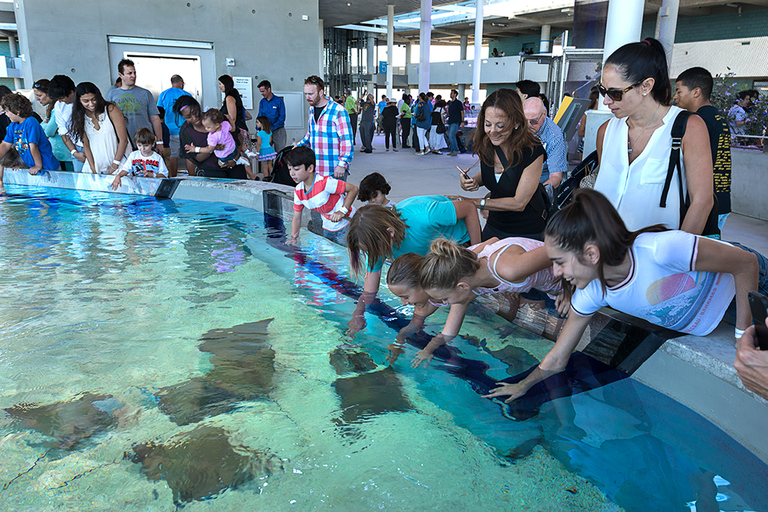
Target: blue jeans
pixel 77 164
pixel 451 130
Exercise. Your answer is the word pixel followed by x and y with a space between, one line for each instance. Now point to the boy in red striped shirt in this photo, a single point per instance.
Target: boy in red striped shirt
pixel 330 197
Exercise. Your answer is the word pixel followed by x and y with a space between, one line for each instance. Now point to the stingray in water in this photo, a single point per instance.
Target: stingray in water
pixel 345 361
pixel 71 421
pixel 202 463
pixel 243 367
pixel 370 394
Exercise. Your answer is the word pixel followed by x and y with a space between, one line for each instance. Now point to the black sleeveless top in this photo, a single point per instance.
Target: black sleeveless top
pixel 240 121
pixel 528 221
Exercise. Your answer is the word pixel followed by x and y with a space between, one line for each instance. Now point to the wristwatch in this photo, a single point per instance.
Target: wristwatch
pixel 482 204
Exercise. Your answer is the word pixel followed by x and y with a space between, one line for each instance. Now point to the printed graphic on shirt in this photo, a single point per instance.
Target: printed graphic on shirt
pixel 678 299
pixel 141 167
pixel 128 105
pixel 20 143
pixel 722 163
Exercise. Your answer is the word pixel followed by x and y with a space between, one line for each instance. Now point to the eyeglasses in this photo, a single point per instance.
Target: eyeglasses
pixel 534 122
pixel 616 94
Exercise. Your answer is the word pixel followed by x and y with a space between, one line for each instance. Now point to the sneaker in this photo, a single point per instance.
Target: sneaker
pixel 242 161
pixel 251 154
pixel 386 149
pixel 453 153
pixel 393 149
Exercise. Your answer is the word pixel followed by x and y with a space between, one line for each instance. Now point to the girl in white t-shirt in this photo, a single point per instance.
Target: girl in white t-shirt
pixel 673 279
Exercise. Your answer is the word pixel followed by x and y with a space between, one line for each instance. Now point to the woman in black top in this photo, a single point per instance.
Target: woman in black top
pixel 193 132
pixel 232 107
pixel 511 158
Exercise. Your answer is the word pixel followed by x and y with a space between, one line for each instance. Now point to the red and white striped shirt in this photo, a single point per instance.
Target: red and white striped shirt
pixel 326 196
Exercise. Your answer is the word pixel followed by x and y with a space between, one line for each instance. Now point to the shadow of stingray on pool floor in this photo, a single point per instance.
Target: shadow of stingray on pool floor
pixel 370 394
pixel 202 463
pixel 243 367
pixel 70 421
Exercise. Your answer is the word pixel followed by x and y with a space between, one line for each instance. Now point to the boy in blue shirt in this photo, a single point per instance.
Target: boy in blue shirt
pixel 26 136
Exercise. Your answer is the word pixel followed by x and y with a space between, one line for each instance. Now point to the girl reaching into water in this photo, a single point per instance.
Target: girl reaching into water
pixel 452 275
pixel 673 279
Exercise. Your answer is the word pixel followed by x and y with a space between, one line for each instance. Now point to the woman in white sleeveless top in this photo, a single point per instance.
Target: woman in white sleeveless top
pixel 101 127
pixel 634 148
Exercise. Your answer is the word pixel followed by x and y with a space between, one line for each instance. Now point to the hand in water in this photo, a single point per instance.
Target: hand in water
pixel 395 351
pixel 355 325
pixel 514 391
pixel 421 356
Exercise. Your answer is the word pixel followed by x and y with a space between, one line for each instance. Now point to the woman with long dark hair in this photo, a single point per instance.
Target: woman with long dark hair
pixel 634 148
pixel 193 132
pixel 511 158
pixel 233 107
pixel 669 278
pixel 101 126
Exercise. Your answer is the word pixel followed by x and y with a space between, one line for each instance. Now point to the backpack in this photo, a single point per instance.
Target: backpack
pixel 280 172
pixel 678 130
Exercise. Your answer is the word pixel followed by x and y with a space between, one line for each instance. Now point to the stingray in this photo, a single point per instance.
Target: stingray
pixel 243 368
pixel 201 463
pixel 344 361
pixel 370 394
pixel 71 421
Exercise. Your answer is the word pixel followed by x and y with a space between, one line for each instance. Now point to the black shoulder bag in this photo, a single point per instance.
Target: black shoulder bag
pixel 540 199
pixel 678 130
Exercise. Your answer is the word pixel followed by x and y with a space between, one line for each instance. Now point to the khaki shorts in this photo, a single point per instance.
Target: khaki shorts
pixel 175 145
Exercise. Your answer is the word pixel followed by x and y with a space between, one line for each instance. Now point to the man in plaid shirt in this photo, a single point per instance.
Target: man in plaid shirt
pixel 329 133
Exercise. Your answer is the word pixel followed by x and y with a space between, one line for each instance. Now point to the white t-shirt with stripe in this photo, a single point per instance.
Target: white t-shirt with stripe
pixel 326 196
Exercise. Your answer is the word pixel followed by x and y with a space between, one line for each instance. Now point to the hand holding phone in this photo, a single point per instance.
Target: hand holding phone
pixel 758 303
pixel 463 173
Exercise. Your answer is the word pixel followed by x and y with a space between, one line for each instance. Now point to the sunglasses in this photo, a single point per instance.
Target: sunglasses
pixel 616 94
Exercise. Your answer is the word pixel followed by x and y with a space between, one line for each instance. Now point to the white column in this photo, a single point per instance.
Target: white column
pixel 370 63
pixel 625 20
pixel 666 25
pixel 425 40
pixel 544 43
pixel 407 66
pixel 322 50
pixel 463 41
pixel 390 46
pixel 478 46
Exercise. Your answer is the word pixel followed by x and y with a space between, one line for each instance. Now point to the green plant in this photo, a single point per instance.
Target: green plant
pixel 725 92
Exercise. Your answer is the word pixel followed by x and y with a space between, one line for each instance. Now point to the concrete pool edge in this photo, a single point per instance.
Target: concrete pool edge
pixel 695 371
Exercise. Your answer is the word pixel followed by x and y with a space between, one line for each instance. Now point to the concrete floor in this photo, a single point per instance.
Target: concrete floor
pixel 409 174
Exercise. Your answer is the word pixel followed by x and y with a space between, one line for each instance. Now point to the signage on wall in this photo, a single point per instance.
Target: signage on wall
pixel 244 85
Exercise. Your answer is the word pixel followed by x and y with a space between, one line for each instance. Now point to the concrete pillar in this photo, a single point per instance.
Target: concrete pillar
pixel 370 62
pixel 623 25
pixel 666 25
pixel 476 64
pixel 463 42
pixel 544 43
pixel 13 54
pixel 407 65
pixel 390 46
pixel 321 59
pixel 425 40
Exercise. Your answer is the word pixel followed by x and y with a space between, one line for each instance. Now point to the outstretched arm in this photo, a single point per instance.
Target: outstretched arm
pixel 466 210
pixel 370 289
pixel 553 362
pixel 450 330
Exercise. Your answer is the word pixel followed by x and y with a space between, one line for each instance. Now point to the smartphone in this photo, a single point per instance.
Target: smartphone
pixel 758 303
pixel 463 173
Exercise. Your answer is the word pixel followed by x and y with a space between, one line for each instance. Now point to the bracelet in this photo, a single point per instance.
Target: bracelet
pixel 197 149
pixel 158 142
pixel 344 210
pixel 116 162
pixel 739 332
pixel 398 344
pixel 73 151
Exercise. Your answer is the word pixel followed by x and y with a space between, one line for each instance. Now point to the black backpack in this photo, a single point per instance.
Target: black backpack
pixel 678 130
pixel 280 172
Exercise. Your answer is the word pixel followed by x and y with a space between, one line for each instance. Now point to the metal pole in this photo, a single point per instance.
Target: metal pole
pixel 425 40
pixel 478 46
pixel 463 40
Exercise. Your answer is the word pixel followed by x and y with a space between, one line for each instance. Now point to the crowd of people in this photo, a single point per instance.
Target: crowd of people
pixel 634 243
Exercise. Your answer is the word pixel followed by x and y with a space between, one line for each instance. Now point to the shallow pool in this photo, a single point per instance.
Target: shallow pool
pixel 139 371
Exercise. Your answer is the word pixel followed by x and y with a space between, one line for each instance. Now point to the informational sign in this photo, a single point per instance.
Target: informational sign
pixel 244 85
pixel 382 67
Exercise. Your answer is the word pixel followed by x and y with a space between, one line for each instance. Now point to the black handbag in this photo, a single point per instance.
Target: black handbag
pixel 678 130
pixel 569 186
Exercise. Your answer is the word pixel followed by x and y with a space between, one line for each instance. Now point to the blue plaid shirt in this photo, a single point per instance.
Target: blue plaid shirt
pixel 551 137
pixel 330 138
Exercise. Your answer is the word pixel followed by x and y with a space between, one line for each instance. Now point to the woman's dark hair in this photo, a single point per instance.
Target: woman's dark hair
pixel 229 86
pixel 440 103
pixel 4 91
pixel 371 184
pixel 18 104
pixel 509 102
pixel 42 86
pixel 77 121
pixel 594 97
pixel 646 59
pixel 60 87
pixel 591 219
pixel 186 104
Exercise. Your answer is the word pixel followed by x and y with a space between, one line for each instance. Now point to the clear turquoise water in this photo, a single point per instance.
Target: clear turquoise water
pixel 111 295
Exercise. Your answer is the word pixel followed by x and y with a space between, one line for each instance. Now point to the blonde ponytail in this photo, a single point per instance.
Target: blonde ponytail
pixel 446 264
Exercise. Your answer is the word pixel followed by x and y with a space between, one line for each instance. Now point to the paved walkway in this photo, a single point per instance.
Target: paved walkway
pixel 409 174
